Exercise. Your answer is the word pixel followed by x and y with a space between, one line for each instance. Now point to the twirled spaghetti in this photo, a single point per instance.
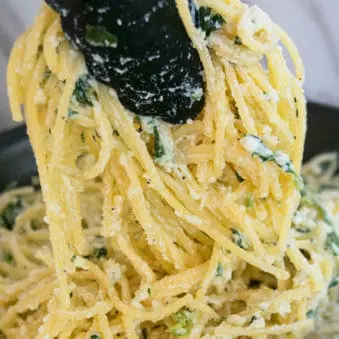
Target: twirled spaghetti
pixel 155 230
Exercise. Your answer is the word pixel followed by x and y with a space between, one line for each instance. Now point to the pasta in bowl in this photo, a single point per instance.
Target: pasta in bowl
pixel 172 223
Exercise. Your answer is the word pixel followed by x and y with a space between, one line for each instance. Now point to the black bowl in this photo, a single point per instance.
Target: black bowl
pixel 17 160
pixel 322 130
pixel 17 163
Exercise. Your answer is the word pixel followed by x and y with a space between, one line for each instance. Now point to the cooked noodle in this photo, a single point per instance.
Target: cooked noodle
pixel 200 241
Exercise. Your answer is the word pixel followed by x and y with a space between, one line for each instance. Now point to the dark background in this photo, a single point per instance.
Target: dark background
pixel 17 161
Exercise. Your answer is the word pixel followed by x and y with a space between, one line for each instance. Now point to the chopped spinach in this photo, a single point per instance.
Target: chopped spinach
pixel 197 94
pixel 72 113
pixel 95 336
pixel 82 136
pixel 311 314
pixel 303 230
pixel 249 201
pixel 219 270
pixel 9 214
pixel 238 239
pixel 308 200
pixel 100 37
pixel 149 291
pixel 332 243
pixel 207 21
pixel 8 257
pixel 73 258
pixel 256 147
pixel 334 282
pixel 100 252
pixel 46 75
pixel 159 149
pixel 238 41
pixel 332 239
pixel 184 323
pixel 83 91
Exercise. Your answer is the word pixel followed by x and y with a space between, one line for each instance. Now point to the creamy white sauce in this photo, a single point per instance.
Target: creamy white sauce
pixel 254 145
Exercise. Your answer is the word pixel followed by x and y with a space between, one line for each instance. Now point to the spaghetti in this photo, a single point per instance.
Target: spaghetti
pixel 154 230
